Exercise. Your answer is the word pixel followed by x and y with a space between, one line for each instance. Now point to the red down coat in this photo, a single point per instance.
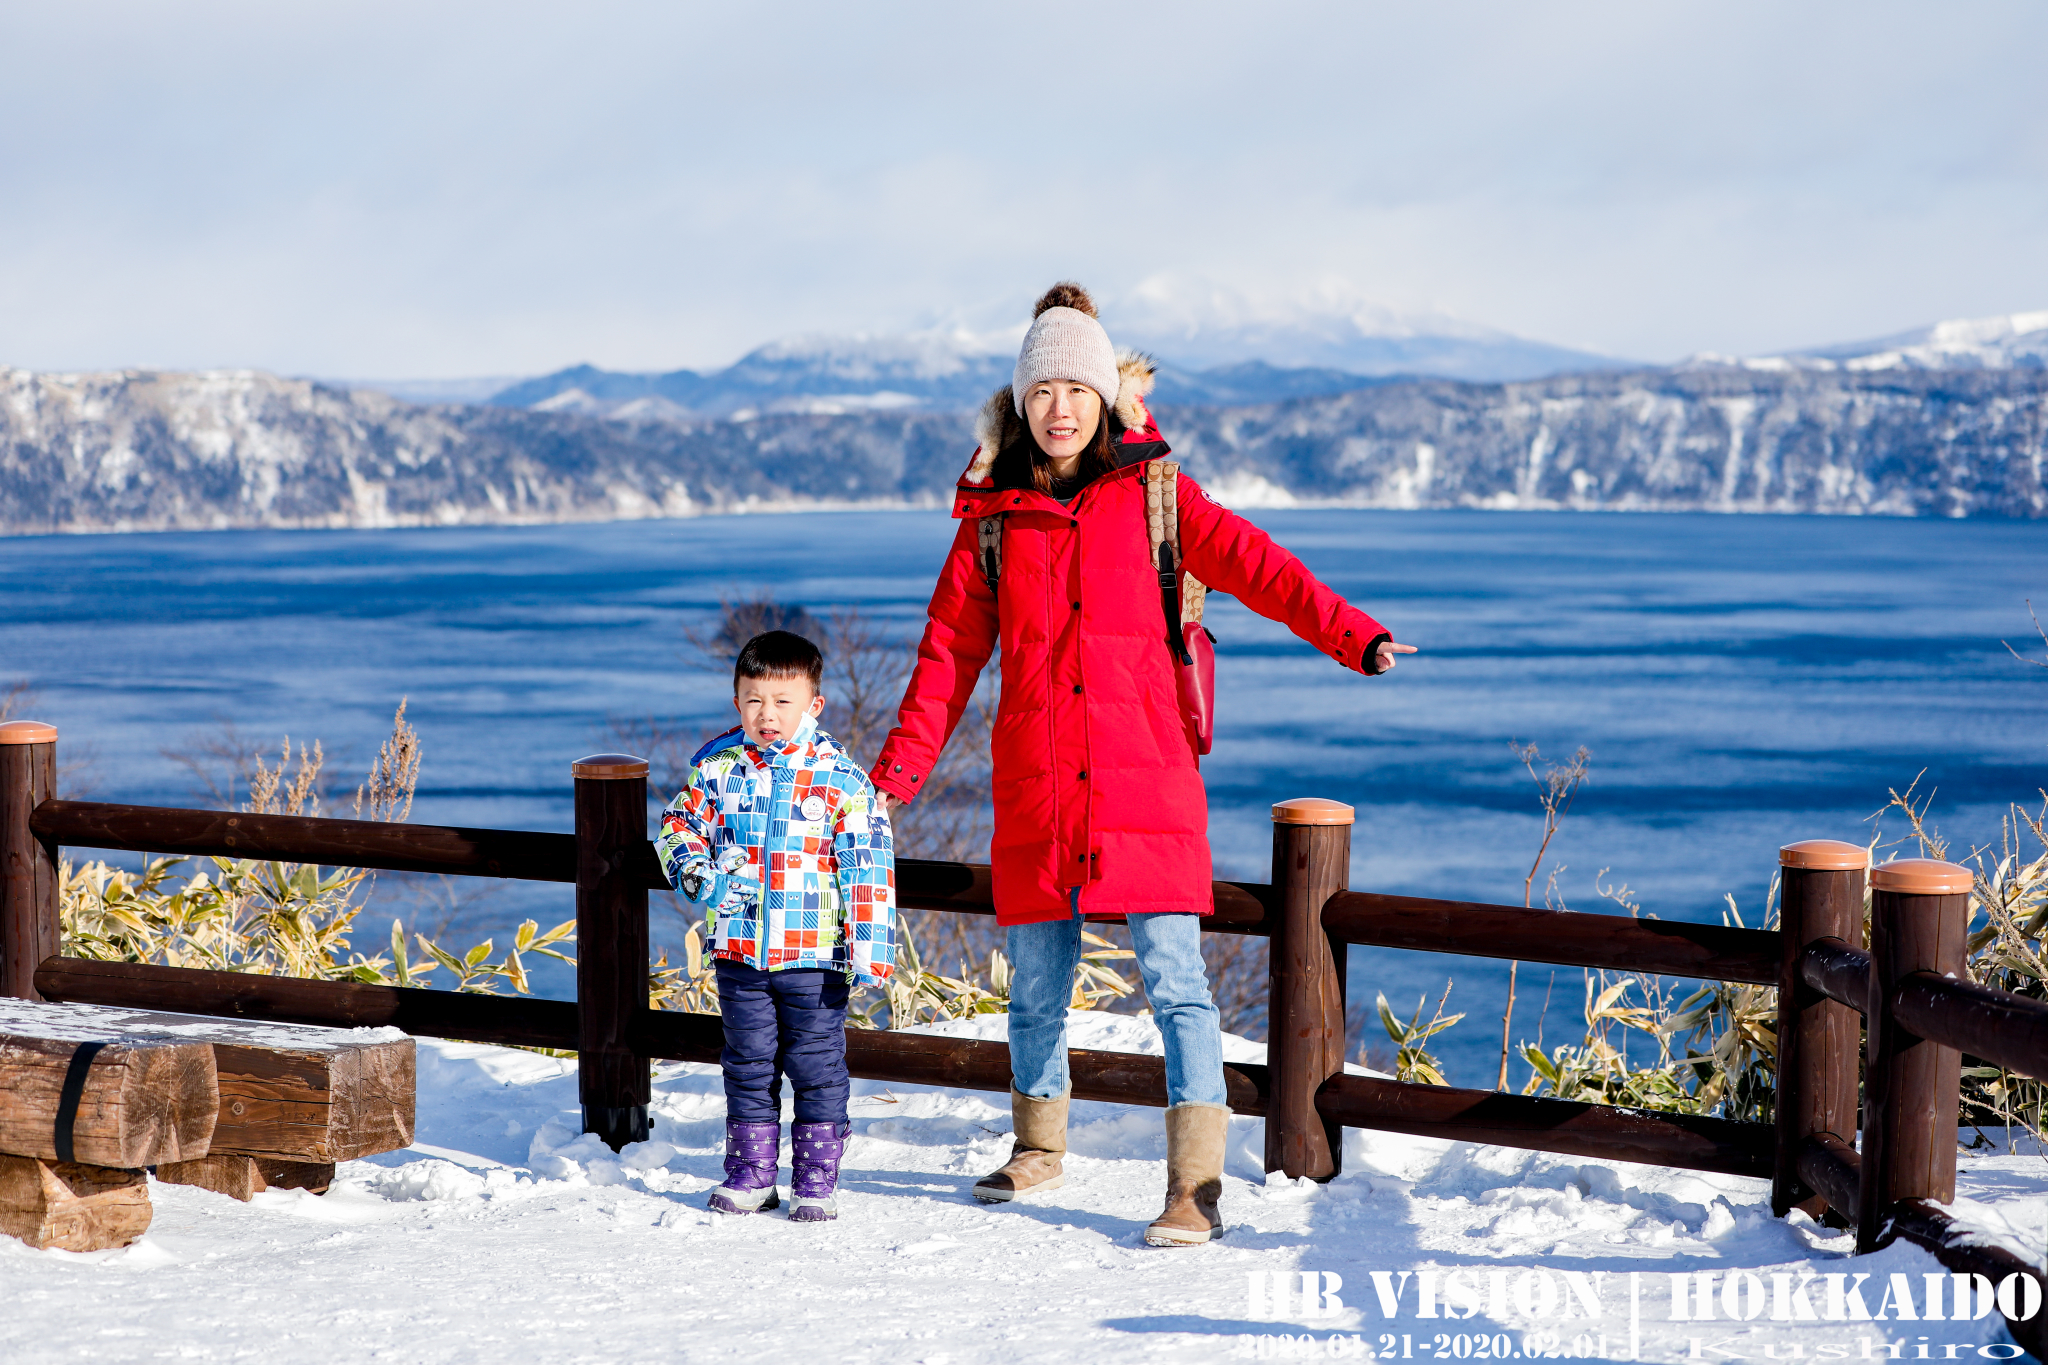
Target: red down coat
pixel 1094 770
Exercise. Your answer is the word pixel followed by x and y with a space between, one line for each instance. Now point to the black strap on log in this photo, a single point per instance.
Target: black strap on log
pixel 74 1090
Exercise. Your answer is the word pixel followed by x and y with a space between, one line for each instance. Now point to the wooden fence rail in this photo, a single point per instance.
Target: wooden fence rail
pixel 1622 943
pixel 1921 1016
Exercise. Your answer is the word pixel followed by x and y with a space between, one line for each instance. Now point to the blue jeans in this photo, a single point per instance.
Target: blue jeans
pixel 1169 949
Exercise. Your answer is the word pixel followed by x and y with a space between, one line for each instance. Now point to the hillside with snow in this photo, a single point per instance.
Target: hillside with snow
pixel 146 451
pixel 131 451
pixel 1950 420
pixel 503 1234
pixel 1694 439
pixel 2007 342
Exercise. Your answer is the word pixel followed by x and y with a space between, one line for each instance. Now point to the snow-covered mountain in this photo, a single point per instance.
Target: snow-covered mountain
pixel 832 377
pixel 149 451
pixel 817 375
pixel 1216 346
pixel 2010 341
pixel 1945 421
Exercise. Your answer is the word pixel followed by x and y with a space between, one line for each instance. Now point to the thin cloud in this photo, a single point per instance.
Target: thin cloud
pixel 376 189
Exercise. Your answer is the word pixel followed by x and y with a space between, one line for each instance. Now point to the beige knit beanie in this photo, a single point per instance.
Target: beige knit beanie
pixel 1066 342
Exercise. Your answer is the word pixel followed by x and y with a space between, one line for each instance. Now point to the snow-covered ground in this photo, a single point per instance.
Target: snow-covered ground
pixel 503 1235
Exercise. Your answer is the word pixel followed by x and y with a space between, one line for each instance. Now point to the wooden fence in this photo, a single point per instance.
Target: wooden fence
pixel 1921 1016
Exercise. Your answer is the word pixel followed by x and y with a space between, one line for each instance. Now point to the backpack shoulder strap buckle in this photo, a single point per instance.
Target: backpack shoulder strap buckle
pixel 988 538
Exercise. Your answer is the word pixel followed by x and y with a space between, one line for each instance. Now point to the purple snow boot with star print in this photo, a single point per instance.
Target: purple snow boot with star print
pixel 815 1149
pixel 750 1151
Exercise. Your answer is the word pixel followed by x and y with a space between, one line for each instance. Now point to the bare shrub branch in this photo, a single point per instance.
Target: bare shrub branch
pixel 1556 786
pixel 223 761
pixel 2038 663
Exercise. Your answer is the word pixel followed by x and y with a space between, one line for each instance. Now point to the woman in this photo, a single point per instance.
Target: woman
pixel 1099 808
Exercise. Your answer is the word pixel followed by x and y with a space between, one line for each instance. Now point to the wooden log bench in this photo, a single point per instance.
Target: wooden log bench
pixel 288 1101
pixel 83 1109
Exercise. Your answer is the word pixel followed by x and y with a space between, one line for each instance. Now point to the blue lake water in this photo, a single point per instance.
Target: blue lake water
pixel 1740 682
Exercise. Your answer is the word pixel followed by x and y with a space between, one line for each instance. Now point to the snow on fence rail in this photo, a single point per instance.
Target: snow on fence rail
pixel 1921 1016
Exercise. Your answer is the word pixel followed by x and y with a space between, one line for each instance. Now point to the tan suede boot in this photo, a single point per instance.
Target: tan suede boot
pixel 1034 1164
pixel 1196 1135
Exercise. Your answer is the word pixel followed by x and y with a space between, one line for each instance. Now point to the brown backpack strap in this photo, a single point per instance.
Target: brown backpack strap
pixel 1162 535
pixel 1162 527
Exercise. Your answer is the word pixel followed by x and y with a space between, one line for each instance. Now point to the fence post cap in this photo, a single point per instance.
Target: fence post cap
pixel 27 732
pixel 1920 877
pixel 1313 810
pixel 1824 855
pixel 609 767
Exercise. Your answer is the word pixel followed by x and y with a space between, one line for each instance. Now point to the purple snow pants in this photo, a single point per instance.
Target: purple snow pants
pixel 786 1023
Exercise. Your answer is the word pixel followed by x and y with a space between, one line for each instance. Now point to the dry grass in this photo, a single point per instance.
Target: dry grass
pixel 1712 1051
pixel 386 794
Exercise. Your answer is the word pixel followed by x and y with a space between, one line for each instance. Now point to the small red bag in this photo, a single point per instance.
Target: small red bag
pixel 1198 685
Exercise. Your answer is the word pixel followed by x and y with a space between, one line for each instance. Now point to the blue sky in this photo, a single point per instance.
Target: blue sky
pixel 402 190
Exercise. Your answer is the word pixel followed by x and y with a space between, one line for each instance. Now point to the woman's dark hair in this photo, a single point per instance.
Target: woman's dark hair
pixel 780 654
pixel 1021 464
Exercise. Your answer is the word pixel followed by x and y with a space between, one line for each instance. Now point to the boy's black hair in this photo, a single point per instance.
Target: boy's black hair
pixel 780 654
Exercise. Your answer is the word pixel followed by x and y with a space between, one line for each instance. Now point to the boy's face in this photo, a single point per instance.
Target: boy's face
pixel 772 708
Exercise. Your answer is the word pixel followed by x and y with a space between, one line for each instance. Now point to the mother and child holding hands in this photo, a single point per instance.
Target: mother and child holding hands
pixel 1099 807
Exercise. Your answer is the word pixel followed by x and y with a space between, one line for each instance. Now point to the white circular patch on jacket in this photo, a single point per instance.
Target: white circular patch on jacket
pixel 814 808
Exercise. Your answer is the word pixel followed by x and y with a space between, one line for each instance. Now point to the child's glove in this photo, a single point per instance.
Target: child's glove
pixel 716 885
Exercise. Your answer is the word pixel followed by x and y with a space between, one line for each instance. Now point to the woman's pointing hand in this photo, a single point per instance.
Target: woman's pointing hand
pixel 1387 652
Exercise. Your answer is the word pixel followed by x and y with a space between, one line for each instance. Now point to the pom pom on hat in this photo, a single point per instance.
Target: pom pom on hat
pixel 1066 342
pixel 1066 294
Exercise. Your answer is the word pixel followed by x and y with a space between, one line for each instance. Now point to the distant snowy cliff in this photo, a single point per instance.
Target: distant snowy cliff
pixel 136 451
pixel 160 451
pixel 1898 442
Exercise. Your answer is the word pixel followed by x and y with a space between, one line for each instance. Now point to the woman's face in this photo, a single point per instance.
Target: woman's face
pixel 1063 414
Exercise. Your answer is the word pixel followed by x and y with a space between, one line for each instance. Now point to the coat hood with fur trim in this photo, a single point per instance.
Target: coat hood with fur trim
pixel 998 423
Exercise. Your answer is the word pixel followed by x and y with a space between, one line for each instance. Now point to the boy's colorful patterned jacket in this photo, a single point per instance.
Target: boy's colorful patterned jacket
pixel 789 852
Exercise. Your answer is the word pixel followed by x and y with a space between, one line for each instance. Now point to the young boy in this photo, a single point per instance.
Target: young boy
pixel 779 839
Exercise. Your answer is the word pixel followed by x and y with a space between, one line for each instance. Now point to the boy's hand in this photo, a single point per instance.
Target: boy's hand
pixel 717 885
pixel 888 801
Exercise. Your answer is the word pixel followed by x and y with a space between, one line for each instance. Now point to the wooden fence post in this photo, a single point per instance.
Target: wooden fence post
pixel 1919 918
pixel 1819 1040
pixel 1305 1009
pixel 29 930
pixel 613 1079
